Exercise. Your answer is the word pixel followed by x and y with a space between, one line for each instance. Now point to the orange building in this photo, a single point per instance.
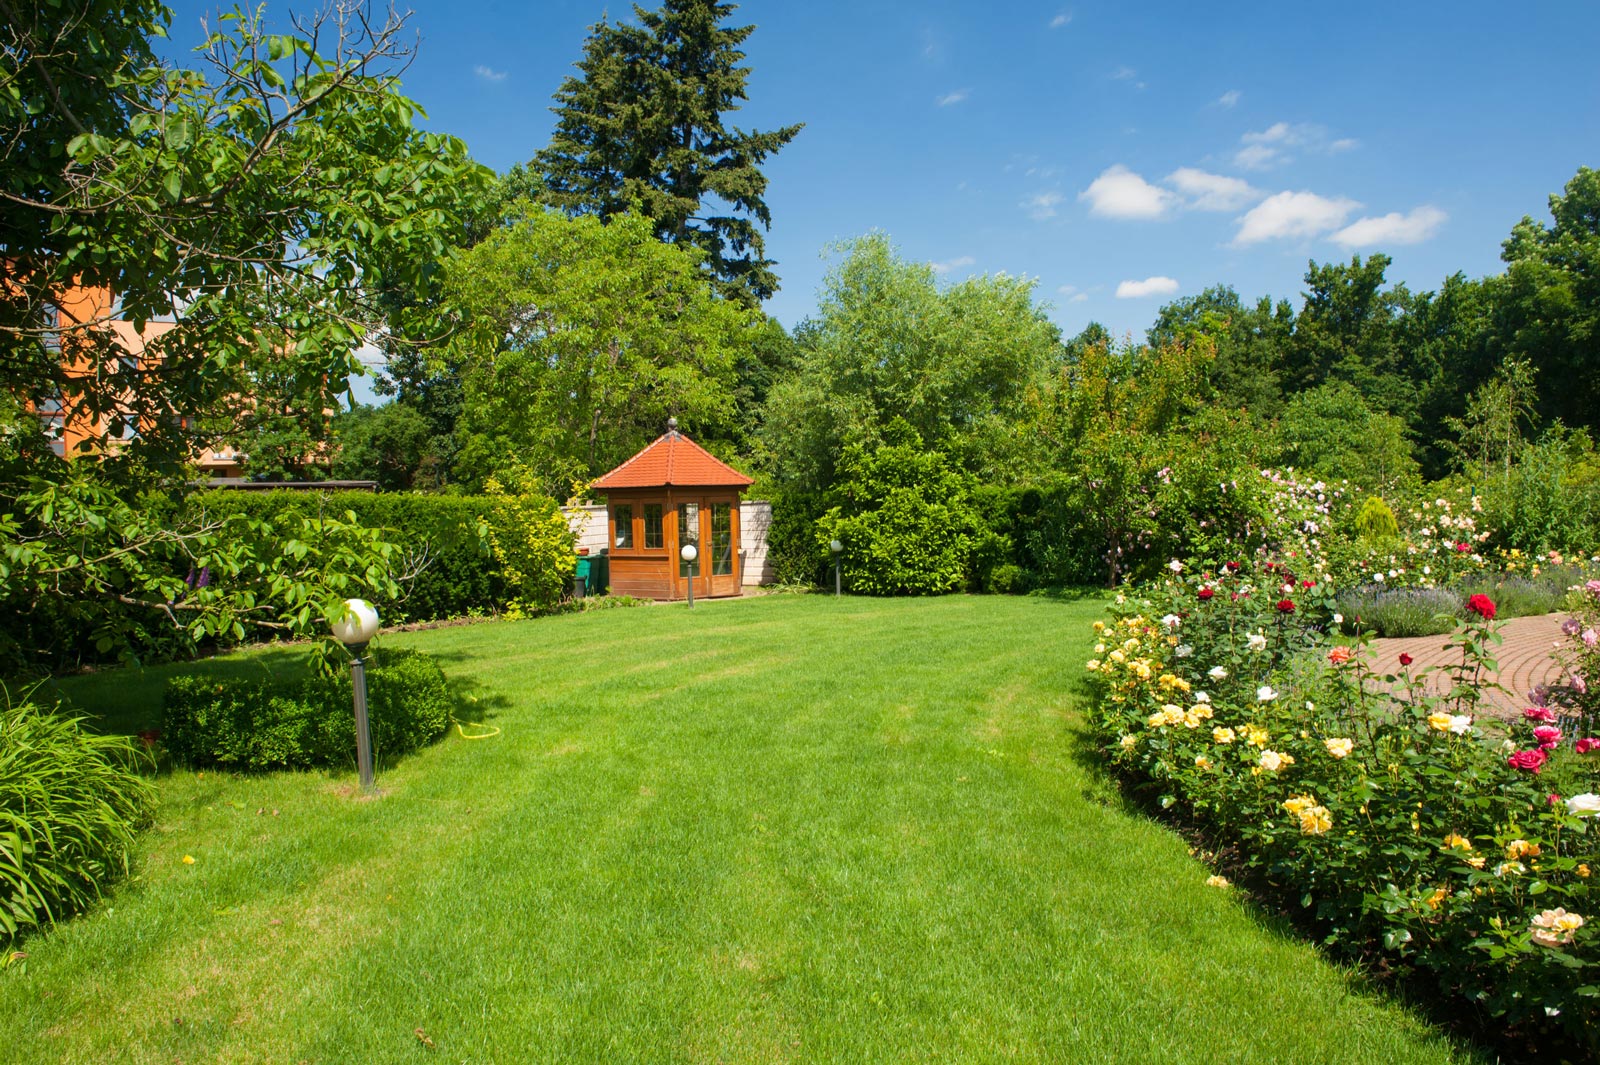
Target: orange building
pixel 83 307
pixel 674 492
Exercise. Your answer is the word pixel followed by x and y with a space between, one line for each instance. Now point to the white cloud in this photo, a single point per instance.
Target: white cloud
pixel 1292 214
pixel 1229 98
pixel 952 264
pixel 1124 74
pixel 1061 20
pixel 489 74
pixel 1120 193
pixel 1079 297
pixel 1255 157
pixel 1393 228
pixel 1150 286
pixel 1273 145
pixel 952 97
pixel 1072 294
pixel 1213 192
pixel 1042 206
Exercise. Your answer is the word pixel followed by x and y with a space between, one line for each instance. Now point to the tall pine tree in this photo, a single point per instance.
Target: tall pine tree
pixel 642 124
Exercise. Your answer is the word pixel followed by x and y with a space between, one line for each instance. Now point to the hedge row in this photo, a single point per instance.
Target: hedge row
pixel 461 577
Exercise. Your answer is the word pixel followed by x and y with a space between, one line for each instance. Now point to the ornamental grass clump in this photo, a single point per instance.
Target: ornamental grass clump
pixel 71 804
pixel 1366 795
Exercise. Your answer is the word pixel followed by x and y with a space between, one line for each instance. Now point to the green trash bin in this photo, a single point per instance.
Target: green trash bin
pixel 580 578
pixel 599 574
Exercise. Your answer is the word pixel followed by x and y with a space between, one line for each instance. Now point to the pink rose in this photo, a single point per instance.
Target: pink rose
pixel 1590 637
pixel 1547 735
pixel 1585 745
pixel 1531 760
pixel 1540 713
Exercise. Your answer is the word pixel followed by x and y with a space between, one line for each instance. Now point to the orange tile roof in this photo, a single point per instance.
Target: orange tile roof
pixel 674 459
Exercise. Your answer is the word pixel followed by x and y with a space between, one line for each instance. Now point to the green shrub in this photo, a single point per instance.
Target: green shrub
pixel 533 545
pixel 905 518
pixel 71 803
pixel 299 722
pixel 461 575
pixel 1375 522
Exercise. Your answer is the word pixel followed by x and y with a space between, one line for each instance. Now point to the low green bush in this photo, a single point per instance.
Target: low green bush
pixel 71 803
pixel 300 722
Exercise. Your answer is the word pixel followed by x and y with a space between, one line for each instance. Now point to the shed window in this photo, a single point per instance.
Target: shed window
pixel 652 526
pixel 622 522
pixel 689 533
pixel 721 539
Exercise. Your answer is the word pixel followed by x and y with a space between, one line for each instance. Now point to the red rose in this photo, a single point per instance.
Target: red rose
pixel 1232 567
pixel 1532 760
pixel 1482 606
pixel 1405 659
pixel 1286 606
pixel 1205 593
pixel 1463 547
pixel 1585 745
pixel 1308 584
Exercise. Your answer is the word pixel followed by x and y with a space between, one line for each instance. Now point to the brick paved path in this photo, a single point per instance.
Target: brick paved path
pixel 1524 658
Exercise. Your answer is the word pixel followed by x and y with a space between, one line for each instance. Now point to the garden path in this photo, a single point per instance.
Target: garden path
pixel 1525 659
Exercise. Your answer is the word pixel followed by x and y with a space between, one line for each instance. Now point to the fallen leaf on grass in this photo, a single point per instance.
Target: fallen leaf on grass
pixel 423 1036
pixel 188 859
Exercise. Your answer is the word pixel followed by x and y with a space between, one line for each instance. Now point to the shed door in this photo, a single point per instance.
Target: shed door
pixel 713 527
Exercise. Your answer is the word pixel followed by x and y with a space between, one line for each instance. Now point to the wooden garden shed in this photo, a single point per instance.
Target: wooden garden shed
pixel 672 493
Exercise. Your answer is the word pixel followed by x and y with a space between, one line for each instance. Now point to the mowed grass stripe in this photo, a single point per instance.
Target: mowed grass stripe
pixel 785 829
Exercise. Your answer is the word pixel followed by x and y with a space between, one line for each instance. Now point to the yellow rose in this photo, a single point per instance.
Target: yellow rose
pixel 1457 843
pixel 1316 820
pixel 1340 747
pixel 1521 848
pixel 1440 722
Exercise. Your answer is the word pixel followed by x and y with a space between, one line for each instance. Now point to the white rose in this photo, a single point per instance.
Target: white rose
pixel 1171 621
pixel 1183 650
pixel 1216 673
pixel 1258 642
pixel 1175 566
pixel 1585 805
pixel 1265 694
pixel 1338 619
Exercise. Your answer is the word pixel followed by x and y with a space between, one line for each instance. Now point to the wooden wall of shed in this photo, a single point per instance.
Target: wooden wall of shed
pixel 755 517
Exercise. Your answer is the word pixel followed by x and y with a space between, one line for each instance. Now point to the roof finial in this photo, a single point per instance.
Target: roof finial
pixel 672 425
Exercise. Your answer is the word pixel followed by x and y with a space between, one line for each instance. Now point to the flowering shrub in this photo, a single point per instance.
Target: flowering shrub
pixel 1397 816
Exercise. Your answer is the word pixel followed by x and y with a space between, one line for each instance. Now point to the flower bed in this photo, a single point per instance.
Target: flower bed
pixel 1398 822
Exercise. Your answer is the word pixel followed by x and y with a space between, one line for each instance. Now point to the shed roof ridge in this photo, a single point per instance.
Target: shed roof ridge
pixel 711 470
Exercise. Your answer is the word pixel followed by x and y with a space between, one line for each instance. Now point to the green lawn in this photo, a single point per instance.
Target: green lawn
pixel 784 829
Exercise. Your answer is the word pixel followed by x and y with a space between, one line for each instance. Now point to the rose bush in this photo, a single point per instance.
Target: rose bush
pixel 1393 811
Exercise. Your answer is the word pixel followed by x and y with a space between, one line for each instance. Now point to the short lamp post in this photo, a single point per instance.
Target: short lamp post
pixel 690 553
pixel 838 552
pixel 355 630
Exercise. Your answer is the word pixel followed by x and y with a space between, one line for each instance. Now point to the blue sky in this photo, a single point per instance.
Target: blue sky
pixel 1122 155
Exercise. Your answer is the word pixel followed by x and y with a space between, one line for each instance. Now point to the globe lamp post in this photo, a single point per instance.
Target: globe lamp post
pixel 355 630
pixel 838 551
pixel 689 554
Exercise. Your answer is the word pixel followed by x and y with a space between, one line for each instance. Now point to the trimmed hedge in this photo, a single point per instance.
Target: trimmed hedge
pixel 71 804
pixel 462 577
pixel 300 722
